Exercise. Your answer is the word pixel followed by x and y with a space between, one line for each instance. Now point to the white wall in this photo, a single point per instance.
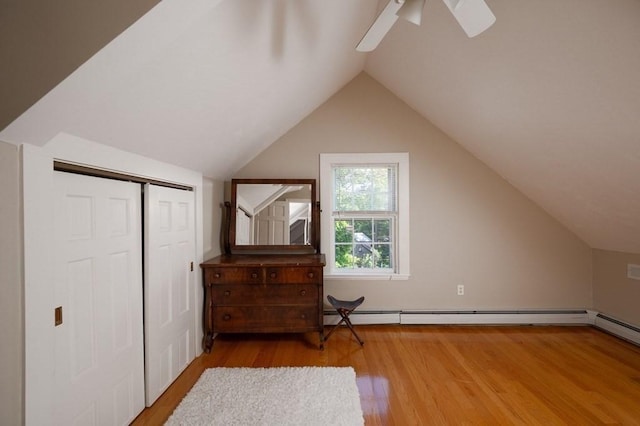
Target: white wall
pixel 11 323
pixel 468 225
pixel 37 165
pixel 213 198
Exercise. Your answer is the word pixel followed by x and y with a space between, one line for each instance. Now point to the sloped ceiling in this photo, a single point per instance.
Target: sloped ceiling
pixel 42 42
pixel 548 97
pixel 206 84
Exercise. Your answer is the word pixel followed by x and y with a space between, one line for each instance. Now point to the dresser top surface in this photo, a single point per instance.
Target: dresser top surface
pixel 230 260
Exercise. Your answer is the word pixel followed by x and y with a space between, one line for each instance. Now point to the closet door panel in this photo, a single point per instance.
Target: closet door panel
pixel 169 286
pixel 99 371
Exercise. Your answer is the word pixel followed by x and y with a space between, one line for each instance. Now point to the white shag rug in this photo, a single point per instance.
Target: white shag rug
pixel 272 396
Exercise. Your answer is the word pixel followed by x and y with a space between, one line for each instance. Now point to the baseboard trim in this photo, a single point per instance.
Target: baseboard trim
pixel 603 322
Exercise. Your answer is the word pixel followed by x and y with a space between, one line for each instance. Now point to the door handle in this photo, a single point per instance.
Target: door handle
pixel 57 314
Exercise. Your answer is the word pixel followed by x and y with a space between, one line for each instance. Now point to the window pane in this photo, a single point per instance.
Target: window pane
pixel 381 230
pixel 344 231
pixel 364 260
pixel 382 256
pixel 363 230
pixel 344 258
pixel 365 188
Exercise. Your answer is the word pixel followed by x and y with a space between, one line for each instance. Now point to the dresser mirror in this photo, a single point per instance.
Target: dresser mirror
pixel 273 216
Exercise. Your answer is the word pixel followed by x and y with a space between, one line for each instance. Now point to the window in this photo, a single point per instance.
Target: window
pixel 365 215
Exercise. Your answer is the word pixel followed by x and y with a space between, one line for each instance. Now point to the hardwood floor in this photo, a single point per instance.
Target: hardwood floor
pixel 444 375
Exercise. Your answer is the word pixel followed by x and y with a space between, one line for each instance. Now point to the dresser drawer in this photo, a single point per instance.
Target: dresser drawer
pixel 281 294
pixel 234 275
pixel 293 274
pixel 274 319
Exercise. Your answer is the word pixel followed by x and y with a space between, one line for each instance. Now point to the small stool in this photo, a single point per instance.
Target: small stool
pixel 344 308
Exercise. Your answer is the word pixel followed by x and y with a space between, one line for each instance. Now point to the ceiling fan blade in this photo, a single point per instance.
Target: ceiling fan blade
pixel 474 16
pixel 380 27
pixel 411 10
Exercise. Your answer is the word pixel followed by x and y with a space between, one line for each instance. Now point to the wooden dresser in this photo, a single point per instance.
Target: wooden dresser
pixel 264 293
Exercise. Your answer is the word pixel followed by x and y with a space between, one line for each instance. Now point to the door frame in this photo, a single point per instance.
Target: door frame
pixel 38 246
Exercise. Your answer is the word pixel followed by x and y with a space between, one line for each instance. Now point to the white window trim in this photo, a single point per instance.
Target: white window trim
pixel 327 161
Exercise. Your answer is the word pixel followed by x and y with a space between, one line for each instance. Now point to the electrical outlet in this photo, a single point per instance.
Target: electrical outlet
pixel 460 290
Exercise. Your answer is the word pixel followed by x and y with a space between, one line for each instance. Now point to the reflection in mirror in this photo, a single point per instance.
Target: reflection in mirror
pixel 273 214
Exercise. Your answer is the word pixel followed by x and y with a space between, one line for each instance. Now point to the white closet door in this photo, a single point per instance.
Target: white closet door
pixel 243 228
pixel 169 291
pixel 99 370
pixel 272 224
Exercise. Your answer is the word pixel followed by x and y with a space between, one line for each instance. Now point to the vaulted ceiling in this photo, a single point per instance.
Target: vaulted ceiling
pixel 548 97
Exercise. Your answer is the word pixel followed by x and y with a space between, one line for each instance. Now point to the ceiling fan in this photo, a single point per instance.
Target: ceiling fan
pixel 474 16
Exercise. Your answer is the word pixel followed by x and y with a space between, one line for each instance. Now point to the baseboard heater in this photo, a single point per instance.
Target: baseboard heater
pixel 464 317
pixel 574 316
pixel 618 328
pixel 494 317
pixel 364 317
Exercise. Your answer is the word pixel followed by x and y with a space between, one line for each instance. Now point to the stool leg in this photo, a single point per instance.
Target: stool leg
pixel 333 329
pixel 348 322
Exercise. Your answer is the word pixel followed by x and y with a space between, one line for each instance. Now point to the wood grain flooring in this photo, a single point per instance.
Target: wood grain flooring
pixel 453 375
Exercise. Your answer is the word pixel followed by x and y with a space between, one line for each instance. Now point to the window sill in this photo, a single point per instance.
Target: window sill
pixel 367 277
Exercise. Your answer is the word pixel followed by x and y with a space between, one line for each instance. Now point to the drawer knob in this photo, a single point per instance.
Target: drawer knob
pixel 226 317
pixel 254 275
pixel 273 275
pixel 303 292
pixel 310 274
pixel 217 275
pixel 303 316
pixel 227 293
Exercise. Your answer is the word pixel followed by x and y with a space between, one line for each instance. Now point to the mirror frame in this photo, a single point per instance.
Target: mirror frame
pixel 232 248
